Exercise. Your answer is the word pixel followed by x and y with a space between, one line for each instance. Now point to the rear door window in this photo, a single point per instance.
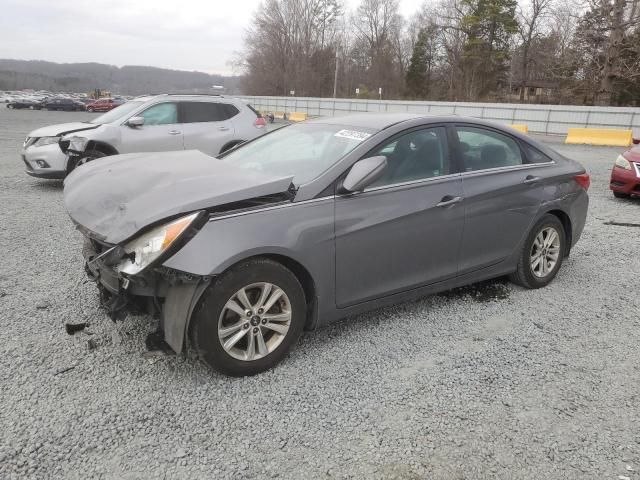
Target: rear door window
pixel 483 149
pixel 196 112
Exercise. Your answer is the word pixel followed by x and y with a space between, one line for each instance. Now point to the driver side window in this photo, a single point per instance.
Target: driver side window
pixel 161 114
pixel 416 155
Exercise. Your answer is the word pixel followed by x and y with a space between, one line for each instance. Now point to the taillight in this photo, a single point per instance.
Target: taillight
pixel 260 122
pixel 584 180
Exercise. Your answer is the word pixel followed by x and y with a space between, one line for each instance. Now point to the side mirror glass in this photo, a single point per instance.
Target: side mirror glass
pixel 135 122
pixel 363 173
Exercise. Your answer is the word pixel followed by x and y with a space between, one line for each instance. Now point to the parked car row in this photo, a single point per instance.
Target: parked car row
pixel 67 104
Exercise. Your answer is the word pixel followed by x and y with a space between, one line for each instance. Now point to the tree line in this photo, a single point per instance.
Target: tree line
pixel 538 51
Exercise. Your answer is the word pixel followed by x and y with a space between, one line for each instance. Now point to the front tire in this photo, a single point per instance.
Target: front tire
pixel 248 320
pixel 542 254
pixel 621 195
pixel 90 156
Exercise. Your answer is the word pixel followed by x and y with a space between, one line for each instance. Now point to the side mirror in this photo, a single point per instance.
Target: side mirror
pixel 636 141
pixel 363 173
pixel 135 122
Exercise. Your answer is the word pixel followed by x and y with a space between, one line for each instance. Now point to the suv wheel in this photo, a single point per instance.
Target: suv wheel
pixel 90 156
pixel 247 321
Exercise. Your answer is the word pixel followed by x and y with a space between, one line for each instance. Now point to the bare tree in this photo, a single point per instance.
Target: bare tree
pixel 531 18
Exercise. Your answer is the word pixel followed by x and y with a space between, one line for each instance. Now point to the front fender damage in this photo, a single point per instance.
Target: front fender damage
pixel 179 304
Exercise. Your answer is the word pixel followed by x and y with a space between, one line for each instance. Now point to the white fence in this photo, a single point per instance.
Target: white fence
pixel 546 119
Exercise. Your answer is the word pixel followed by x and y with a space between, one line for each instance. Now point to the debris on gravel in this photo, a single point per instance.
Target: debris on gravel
pixel 489 381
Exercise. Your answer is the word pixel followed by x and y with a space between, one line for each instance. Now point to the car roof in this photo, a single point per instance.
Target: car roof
pixel 377 121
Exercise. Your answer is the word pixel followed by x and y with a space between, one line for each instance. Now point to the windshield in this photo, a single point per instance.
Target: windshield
pixel 117 113
pixel 304 150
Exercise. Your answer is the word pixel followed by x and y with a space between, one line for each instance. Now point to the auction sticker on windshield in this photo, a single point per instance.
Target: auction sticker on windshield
pixel 352 135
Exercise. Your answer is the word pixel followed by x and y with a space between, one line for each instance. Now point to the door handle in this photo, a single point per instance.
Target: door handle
pixel 174 132
pixel 448 200
pixel 223 129
pixel 531 179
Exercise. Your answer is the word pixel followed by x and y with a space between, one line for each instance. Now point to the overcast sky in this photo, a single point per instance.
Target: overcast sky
pixel 182 34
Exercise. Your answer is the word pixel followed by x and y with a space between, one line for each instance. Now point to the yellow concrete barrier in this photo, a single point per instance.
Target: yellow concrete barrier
pixel 297 116
pixel 521 127
pixel 599 136
pixel 278 115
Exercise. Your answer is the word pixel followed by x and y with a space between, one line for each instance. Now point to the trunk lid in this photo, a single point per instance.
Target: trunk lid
pixel 116 197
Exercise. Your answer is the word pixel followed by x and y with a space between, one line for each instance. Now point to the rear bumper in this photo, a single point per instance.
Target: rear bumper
pixel 626 181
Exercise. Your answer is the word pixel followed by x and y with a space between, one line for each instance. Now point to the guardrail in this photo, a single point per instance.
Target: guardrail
pixel 545 119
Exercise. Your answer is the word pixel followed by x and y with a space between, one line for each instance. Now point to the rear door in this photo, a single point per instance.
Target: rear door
pixel 207 126
pixel 161 131
pixel 405 230
pixel 502 194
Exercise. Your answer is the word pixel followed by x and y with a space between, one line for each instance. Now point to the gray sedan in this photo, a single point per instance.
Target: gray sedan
pixel 318 221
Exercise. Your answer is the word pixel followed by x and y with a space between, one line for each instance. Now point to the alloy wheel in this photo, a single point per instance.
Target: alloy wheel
pixel 545 252
pixel 254 321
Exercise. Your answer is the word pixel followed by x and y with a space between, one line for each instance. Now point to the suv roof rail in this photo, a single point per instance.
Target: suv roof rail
pixel 181 95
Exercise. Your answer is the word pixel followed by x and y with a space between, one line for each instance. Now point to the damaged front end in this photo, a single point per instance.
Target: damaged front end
pixel 131 279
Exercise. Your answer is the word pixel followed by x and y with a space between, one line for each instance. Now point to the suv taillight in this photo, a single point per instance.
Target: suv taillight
pixel 584 180
pixel 260 122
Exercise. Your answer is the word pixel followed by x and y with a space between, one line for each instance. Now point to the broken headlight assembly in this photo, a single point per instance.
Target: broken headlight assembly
pixel 148 247
pixel 43 141
pixel 74 144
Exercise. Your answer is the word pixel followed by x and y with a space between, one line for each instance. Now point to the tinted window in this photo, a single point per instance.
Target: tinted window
pixel 534 155
pixel 161 114
pixel 414 156
pixel 482 149
pixel 193 112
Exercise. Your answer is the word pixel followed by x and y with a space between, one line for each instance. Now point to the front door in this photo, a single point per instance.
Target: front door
pixel 405 230
pixel 161 131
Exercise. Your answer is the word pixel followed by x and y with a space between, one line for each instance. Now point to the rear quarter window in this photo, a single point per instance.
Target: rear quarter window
pixel 534 155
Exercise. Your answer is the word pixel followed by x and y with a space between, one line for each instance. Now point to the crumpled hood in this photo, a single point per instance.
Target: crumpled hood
pixel 117 196
pixel 62 128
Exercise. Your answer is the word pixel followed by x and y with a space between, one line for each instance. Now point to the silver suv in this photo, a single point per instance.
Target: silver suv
pixel 209 123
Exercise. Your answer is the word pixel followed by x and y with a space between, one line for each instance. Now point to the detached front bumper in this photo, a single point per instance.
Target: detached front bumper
pixel 163 292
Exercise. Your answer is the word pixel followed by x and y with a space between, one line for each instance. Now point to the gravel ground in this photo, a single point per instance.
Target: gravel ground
pixel 487 381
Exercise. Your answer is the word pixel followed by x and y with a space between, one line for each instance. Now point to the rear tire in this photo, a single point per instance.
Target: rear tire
pixel 621 195
pixel 233 334
pixel 542 254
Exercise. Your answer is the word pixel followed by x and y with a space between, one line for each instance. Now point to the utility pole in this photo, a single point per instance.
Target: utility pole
pixel 335 77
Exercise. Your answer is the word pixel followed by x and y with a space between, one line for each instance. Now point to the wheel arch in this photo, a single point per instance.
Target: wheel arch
pixel 565 219
pixel 301 273
pixel 103 147
pixel 181 301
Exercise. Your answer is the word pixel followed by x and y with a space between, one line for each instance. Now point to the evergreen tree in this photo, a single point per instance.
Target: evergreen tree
pixel 489 25
pixel 418 77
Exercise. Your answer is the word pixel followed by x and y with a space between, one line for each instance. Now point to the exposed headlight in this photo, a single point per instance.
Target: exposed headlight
pixel 77 144
pixel 42 141
pixel 143 250
pixel 623 163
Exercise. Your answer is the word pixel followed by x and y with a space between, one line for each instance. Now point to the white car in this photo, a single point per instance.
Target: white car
pixel 209 123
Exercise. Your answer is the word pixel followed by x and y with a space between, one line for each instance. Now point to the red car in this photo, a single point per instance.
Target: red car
pixel 104 105
pixel 625 175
